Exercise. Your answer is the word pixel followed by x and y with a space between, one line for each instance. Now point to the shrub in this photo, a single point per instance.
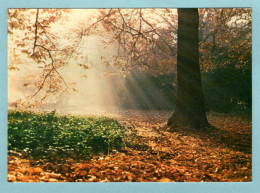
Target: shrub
pixel 47 135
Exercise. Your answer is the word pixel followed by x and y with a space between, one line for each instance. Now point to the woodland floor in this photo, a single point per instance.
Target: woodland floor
pixel 154 153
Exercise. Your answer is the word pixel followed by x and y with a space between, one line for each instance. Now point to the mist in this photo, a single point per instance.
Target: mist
pixel 101 88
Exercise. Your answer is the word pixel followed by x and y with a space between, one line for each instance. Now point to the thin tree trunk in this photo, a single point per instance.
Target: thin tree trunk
pixel 190 110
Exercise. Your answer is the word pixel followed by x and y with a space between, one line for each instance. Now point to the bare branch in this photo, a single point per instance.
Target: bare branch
pixel 52 63
pixel 36 30
pixel 166 43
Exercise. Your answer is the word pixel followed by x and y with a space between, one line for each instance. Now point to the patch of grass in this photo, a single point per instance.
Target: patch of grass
pixel 47 135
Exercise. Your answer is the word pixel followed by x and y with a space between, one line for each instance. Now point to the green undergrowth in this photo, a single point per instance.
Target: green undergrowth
pixel 46 135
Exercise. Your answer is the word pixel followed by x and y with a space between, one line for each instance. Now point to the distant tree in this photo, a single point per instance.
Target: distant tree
pixel 226 58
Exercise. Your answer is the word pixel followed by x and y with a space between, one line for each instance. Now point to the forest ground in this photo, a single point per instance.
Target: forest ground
pixel 155 153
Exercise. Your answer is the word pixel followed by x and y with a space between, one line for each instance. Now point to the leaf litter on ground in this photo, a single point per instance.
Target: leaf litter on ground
pixel 153 153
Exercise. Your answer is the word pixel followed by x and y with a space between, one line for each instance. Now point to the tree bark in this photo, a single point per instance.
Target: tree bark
pixel 190 110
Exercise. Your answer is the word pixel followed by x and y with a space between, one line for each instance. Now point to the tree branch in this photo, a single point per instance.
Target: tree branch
pixel 36 31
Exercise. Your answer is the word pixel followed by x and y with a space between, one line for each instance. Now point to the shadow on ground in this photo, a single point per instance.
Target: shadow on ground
pixel 235 140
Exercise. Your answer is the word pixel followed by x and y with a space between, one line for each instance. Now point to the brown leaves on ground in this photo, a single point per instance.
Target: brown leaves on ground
pixel 155 154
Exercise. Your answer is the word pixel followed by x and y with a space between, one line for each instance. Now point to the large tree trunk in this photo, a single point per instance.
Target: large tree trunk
pixel 190 110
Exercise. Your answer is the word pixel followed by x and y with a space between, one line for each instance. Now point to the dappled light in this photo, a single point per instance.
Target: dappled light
pixel 130 95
